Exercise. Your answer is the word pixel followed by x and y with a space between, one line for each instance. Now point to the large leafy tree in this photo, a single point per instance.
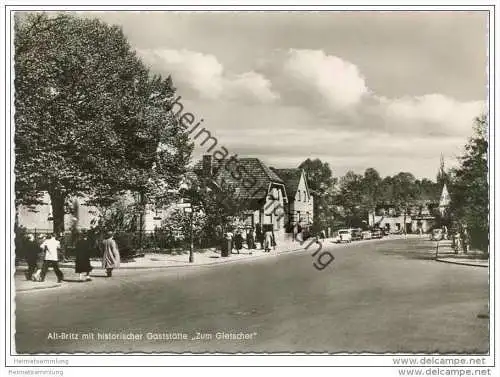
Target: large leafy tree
pixel 404 193
pixel 371 189
pixel 222 203
pixel 351 198
pixel 359 195
pixel 323 186
pixel 89 117
pixel 469 190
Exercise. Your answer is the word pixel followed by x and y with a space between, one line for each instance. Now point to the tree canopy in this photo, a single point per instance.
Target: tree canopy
pixel 90 119
pixel 322 185
pixel 469 188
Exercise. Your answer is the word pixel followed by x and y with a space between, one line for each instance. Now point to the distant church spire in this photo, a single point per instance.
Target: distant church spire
pixel 442 177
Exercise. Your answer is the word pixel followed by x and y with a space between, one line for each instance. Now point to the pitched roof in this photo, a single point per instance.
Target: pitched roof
pixel 249 169
pixel 291 178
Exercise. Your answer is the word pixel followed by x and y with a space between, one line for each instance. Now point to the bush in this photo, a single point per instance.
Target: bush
pixel 22 243
pixel 125 242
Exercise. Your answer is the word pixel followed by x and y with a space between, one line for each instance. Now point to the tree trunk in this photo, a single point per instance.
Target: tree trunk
pixel 404 220
pixel 57 200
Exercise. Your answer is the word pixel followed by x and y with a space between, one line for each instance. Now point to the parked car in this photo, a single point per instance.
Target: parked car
pixel 343 235
pixel 437 234
pixel 356 234
pixel 377 233
pixel 366 235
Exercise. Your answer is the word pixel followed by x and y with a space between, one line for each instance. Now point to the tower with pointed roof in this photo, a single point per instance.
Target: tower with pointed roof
pixel 444 200
pixel 442 180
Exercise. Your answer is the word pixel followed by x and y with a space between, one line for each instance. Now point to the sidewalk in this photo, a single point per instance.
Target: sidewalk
pixel 473 258
pixel 150 260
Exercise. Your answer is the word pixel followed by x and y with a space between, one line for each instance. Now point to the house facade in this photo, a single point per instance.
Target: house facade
pixel 261 191
pixel 300 208
pixel 419 218
pixel 38 218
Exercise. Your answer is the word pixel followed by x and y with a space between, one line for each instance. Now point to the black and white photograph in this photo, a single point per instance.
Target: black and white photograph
pixel 256 182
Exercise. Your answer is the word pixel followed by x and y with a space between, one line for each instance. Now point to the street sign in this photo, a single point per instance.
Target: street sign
pixel 184 205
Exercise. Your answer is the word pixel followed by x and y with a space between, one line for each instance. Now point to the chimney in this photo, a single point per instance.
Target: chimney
pixel 207 165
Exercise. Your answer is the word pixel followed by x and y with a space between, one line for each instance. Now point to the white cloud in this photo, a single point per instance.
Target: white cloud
pixel 251 84
pixel 204 74
pixel 432 113
pixel 349 102
pixel 337 80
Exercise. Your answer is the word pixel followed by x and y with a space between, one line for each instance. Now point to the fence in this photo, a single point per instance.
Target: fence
pixel 129 243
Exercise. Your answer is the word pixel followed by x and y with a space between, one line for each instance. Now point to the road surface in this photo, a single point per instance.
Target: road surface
pixel 377 296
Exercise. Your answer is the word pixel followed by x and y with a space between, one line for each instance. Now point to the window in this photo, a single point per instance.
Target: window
pixel 298 216
pixel 158 214
pixel 305 196
pixel 298 192
pixel 249 220
pixel 269 219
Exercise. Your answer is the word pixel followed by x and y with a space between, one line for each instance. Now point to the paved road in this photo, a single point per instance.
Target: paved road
pixel 377 296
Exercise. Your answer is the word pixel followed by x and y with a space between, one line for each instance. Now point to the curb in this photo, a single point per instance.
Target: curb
pixel 38 288
pixel 222 261
pixel 461 263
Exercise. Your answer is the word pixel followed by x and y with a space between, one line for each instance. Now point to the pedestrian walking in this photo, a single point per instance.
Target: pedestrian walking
pixel 219 237
pixel 40 258
pixel 456 242
pixel 111 255
pixel 465 239
pixel 51 247
pixel 62 251
pixel 30 253
pixel 295 232
pixel 273 239
pixel 268 240
pixel 238 241
pixel 259 235
pixel 229 237
pixel 445 232
pixel 250 240
pixel 82 262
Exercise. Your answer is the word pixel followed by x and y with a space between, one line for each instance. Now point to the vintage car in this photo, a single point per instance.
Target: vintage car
pixel 356 234
pixel 377 233
pixel 343 235
pixel 366 235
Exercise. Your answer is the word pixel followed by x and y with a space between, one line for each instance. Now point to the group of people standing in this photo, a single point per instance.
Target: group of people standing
pixel 234 239
pixel 461 240
pixel 42 256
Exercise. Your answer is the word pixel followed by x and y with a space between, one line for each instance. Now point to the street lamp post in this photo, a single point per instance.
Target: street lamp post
pixel 191 246
pixel 190 209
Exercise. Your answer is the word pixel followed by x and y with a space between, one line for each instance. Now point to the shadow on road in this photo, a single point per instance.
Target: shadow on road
pixel 412 248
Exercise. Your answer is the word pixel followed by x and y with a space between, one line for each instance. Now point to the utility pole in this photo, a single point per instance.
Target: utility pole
pixel 191 246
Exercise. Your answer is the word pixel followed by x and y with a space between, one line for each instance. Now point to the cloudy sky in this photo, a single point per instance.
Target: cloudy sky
pixel 356 89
